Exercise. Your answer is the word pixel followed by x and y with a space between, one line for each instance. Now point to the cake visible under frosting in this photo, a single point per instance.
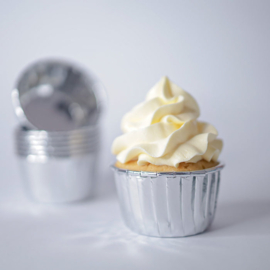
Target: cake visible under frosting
pixel 164 131
pixel 183 167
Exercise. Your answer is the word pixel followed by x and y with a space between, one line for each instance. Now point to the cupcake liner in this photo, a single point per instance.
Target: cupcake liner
pixel 173 204
pixel 59 180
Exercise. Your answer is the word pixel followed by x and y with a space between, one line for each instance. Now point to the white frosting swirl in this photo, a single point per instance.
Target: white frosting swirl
pixel 164 130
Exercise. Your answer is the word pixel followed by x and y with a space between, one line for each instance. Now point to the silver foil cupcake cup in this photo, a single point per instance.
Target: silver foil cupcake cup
pixel 56 170
pixel 173 204
pixel 56 144
pixel 57 95
pixel 58 105
pixel 59 179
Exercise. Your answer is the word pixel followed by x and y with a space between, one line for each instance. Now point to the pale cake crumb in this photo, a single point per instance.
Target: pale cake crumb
pixel 183 167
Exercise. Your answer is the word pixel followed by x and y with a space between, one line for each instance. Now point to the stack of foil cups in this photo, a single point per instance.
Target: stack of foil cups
pixel 57 141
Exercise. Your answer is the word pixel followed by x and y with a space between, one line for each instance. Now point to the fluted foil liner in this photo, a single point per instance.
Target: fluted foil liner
pixel 173 204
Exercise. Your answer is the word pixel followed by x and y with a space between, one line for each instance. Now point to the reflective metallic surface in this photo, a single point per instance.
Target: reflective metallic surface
pixel 58 167
pixel 168 204
pixel 54 95
pixel 59 180
pixel 56 144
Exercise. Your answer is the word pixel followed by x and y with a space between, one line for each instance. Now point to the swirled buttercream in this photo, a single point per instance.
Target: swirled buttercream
pixel 164 130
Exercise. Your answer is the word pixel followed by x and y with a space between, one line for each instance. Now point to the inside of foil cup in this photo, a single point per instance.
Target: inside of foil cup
pixel 56 96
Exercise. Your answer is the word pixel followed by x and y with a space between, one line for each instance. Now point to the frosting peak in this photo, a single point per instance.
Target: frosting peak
pixel 165 102
pixel 163 130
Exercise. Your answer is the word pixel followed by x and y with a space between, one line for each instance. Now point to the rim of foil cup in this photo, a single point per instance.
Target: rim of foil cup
pixel 24 131
pixel 37 157
pixel 220 166
pixel 58 143
pixel 55 150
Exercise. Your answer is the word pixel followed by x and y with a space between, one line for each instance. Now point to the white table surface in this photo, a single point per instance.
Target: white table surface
pixel 91 235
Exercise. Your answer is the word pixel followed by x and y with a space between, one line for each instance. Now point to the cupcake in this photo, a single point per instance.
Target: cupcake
pixel 167 171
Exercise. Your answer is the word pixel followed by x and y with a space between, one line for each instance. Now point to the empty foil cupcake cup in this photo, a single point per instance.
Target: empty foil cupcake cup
pixel 173 204
pixel 57 95
pixel 58 105
pixel 58 167
pixel 48 143
pixel 59 180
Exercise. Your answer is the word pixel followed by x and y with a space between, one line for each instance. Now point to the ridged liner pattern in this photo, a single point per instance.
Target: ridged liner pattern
pixel 168 204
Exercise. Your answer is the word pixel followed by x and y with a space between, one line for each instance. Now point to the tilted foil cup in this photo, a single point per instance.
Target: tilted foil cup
pixel 173 204
pixel 56 95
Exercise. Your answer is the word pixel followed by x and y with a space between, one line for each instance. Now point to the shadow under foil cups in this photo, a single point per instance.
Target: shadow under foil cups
pixel 173 204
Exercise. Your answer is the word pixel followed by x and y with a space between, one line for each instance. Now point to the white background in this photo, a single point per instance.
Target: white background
pixel 216 50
